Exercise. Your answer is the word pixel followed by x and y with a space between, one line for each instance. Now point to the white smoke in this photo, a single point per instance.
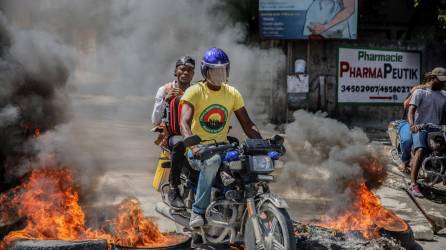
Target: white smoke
pixel 136 43
pixel 324 157
pixel 124 51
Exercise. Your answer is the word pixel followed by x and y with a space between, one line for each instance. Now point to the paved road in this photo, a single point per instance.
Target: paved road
pixel 129 157
pixel 393 197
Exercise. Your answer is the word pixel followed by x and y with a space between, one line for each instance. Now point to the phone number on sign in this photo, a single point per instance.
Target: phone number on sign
pixel 375 89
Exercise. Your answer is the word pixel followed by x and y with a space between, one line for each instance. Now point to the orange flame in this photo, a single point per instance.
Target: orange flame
pixel 366 215
pixel 132 229
pixel 49 202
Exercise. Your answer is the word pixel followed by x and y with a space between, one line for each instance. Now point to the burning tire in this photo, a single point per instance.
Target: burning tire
pixel 59 245
pixel 11 226
pixel 397 229
pixel 406 238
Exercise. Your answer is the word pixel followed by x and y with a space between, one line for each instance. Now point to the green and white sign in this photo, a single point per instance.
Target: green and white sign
pixel 376 76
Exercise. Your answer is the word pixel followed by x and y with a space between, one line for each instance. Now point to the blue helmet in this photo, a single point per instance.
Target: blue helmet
pixel 214 57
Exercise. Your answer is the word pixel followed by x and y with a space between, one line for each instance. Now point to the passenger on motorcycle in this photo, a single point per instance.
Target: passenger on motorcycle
pixel 427 106
pixel 163 116
pixel 207 111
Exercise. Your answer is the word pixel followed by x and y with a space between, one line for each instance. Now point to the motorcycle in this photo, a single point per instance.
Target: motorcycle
pixel 433 166
pixel 242 211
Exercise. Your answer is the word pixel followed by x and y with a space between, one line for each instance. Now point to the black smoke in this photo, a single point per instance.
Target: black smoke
pixel 33 77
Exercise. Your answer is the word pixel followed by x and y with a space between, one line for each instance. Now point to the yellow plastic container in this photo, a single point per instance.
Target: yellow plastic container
pixel 161 174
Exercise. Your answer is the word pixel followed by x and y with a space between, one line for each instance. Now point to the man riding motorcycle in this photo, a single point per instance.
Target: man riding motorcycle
pixel 427 106
pixel 405 136
pixel 165 99
pixel 207 110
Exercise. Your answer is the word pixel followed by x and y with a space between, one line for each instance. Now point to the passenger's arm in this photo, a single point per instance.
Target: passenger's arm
pixel 159 107
pixel 187 113
pixel 406 103
pixel 411 118
pixel 415 101
pixel 248 126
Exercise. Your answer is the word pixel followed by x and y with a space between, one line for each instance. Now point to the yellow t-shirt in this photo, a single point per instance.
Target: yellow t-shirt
pixel 212 110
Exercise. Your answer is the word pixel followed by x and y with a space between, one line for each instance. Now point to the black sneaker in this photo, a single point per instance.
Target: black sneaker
pixel 174 199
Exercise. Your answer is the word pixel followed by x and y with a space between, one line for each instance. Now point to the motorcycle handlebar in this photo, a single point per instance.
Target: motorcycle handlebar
pixel 430 125
pixel 207 152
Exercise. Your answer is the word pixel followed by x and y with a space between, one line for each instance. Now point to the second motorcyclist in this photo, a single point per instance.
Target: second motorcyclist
pixel 427 106
pixel 165 101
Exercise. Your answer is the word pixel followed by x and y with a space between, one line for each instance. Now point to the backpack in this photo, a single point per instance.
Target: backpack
pixel 173 116
pixel 173 112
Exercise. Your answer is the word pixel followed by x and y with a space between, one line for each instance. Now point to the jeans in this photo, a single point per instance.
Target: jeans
pixel 208 172
pixel 405 140
pixel 420 139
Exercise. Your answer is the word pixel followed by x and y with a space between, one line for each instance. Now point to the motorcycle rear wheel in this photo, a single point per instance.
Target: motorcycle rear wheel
pixel 276 227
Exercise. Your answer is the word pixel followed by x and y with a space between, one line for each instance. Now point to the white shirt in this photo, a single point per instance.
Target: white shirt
pixel 161 105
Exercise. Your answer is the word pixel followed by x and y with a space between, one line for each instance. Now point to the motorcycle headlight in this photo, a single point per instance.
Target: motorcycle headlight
pixel 261 163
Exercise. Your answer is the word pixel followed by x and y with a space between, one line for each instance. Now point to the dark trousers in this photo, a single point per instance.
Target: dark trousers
pixel 178 161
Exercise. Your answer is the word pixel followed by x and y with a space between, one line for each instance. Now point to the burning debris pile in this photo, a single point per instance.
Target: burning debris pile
pixel 49 201
pixel 319 238
pixel 366 215
pixel 365 225
pixel 337 164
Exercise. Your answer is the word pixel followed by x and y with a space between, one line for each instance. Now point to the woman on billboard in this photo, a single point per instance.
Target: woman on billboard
pixel 331 19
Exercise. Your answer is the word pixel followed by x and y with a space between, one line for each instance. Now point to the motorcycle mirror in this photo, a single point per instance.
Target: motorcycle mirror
pixel 192 140
pixel 277 139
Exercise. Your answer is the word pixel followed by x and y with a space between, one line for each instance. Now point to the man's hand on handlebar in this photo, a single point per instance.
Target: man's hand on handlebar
pixel 195 150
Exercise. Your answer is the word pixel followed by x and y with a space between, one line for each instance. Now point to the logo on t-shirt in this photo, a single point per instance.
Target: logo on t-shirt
pixel 213 118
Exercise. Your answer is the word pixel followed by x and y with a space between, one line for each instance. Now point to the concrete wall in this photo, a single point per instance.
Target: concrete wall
pixel 321 61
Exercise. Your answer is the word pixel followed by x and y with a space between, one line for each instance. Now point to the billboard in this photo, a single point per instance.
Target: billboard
pixel 375 75
pixel 300 19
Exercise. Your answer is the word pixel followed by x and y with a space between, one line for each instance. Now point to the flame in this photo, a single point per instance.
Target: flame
pixel 49 201
pixel 365 215
pixel 132 229
pixel 50 204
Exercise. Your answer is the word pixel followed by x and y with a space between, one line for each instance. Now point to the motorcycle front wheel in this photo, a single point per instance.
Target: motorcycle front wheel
pixel 276 226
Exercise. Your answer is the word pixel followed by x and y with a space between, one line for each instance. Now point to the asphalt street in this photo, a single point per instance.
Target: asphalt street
pixel 129 158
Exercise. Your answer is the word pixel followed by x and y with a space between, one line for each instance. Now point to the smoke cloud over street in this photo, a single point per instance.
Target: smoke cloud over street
pixel 326 157
pixel 101 62
pixel 107 60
